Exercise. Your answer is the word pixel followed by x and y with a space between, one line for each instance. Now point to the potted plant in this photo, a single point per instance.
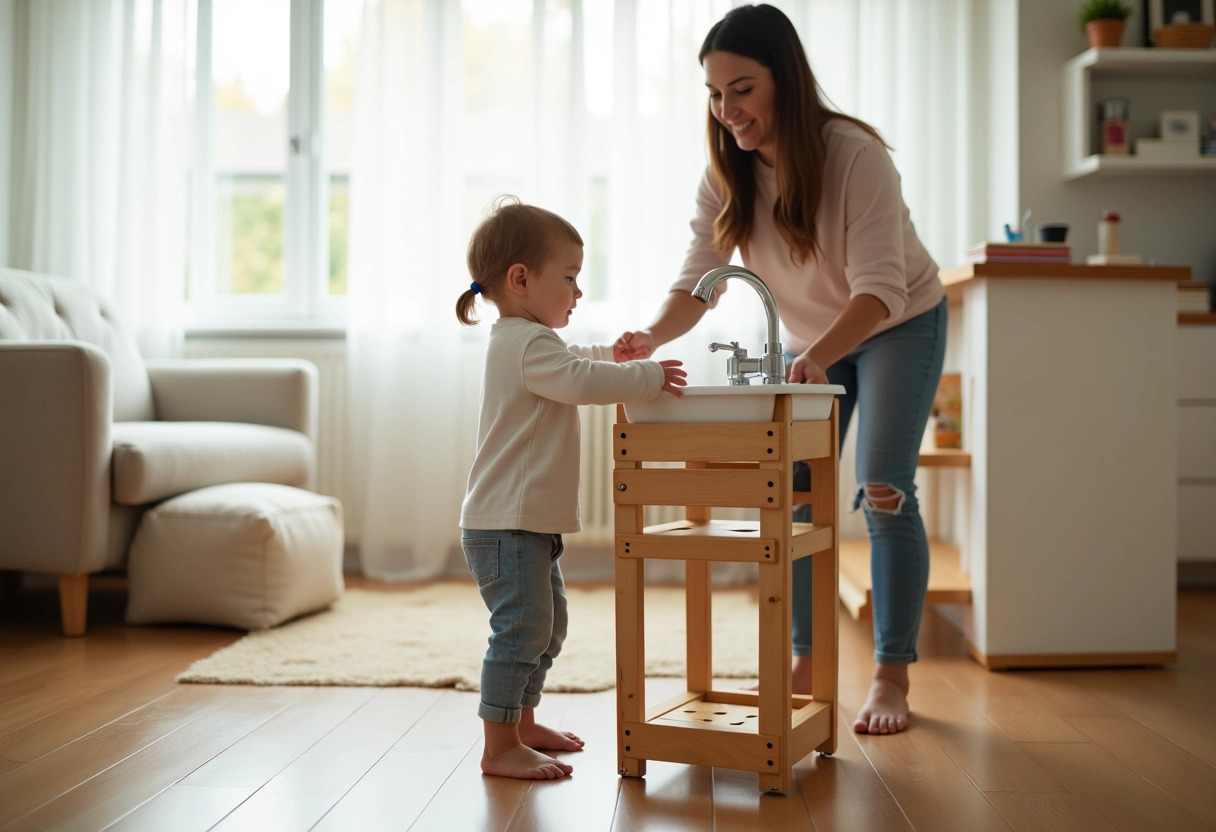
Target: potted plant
pixel 1103 21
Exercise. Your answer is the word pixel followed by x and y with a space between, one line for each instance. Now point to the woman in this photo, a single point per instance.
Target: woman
pixel 811 200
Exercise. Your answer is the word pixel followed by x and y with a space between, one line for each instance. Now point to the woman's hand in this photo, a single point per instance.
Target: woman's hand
pixel 805 371
pixel 633 345
pixel 674 377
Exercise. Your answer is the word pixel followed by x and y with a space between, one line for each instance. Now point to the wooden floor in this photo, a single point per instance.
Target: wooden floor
pixel 94 734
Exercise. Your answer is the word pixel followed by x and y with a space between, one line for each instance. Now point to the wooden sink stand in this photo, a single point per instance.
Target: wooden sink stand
pixel 747 465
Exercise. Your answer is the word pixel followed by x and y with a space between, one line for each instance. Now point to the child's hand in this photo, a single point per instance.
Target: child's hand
pixel 633 345
pixel 673 377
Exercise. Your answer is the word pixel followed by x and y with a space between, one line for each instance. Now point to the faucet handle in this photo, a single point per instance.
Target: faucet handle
pixel 733 346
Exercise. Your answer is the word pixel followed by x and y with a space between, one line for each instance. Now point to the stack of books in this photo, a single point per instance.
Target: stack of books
pixel 1193 297
pixel 1019 253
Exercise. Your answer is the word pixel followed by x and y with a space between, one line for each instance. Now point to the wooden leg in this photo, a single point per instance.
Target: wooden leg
pixel 698 612
pixel 73 603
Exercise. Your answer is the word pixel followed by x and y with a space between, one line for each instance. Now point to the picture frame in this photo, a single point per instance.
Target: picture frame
pixel 1157 13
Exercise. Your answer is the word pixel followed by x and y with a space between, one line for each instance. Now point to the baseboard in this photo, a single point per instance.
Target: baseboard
pixel 1197 574
pixel 1007 661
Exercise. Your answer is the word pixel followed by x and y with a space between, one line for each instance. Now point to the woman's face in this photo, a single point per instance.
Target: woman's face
pixel 742 97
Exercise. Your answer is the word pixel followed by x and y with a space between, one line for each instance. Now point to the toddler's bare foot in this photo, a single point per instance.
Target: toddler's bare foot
pixel 886 708
pixel 523 763
pixel 543 738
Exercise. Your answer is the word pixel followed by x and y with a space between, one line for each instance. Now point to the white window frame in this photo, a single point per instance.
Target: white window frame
pixel 305 299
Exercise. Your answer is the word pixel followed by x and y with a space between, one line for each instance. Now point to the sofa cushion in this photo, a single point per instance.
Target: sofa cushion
pixel 156 460
pixel 248 555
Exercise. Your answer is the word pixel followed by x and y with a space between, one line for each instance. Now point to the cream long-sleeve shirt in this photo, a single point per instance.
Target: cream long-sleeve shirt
pixel 869 245
pixel 526 470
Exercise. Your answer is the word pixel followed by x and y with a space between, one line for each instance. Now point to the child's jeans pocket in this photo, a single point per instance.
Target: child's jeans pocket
pixel 481 554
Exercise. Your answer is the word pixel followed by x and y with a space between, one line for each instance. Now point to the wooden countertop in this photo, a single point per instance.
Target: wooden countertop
pixel 1071 271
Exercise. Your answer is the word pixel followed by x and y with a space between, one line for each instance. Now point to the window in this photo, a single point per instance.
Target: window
pixel 270 191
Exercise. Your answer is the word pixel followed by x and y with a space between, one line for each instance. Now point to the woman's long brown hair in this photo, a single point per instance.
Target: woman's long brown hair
pixel 764 34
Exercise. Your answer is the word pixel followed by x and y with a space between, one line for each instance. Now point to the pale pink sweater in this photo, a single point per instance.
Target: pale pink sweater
pixel 869 246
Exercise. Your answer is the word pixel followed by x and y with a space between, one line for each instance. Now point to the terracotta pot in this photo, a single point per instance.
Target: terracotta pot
pixel 1104 33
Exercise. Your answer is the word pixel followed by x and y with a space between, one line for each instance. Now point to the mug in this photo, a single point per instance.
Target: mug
pixel 1052 232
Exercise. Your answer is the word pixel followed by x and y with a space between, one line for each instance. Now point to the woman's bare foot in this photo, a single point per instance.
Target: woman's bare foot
pixel 543 738
pixel 523 763
pixel 505 755
pixel 886 708
pixel 801 676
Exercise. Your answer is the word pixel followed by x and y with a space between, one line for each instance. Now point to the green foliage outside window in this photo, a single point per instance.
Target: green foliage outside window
pixel 256 261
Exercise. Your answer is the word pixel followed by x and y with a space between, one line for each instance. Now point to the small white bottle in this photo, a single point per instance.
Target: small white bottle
pixel 1108 234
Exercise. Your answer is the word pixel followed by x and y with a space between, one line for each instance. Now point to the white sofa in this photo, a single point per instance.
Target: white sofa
pixel 91 435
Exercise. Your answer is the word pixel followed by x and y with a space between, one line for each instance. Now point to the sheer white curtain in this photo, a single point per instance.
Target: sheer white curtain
pixel 594 109
pixel 100 100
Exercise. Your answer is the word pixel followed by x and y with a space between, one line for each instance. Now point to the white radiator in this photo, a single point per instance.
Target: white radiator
pixel 329 354
pixel 596 479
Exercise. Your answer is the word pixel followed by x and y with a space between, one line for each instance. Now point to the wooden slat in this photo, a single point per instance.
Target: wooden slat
pixel 811 728
pixel 710 441
pixel 690 744
pixel 825 625
pixel 698 625
pixel 811 440
pixel 679 487
pixel 715 540
pixel 720 540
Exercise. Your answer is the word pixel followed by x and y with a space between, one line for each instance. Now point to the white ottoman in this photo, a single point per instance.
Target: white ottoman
pixel 248 555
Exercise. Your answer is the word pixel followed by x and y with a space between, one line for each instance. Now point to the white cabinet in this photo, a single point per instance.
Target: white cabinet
pixel 1152 80
pixel 1197 442
pixel 1070 407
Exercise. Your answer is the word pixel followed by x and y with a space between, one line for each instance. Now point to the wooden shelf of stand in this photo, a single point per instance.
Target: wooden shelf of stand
pixel 947 583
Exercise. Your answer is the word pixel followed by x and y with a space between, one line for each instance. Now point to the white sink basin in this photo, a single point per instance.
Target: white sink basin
pixel 728 403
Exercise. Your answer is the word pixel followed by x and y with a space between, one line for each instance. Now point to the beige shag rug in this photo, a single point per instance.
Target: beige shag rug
pixel 434 635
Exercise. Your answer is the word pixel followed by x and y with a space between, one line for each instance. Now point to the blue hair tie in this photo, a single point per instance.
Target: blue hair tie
pixel 475 287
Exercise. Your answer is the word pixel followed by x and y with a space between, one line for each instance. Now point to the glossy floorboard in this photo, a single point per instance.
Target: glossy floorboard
pixel 94 734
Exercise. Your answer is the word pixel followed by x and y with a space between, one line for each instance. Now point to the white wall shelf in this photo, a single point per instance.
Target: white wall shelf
pixel 1152 74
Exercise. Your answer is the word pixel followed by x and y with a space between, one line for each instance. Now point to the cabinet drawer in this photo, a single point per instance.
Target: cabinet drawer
pixel 1197 522
pixel 1197 440
pixel 1197 362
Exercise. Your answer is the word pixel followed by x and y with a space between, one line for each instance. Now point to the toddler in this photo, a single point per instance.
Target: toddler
pixel 523 487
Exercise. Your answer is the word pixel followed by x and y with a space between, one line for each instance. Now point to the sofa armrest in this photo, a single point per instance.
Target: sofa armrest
pixel 280 392
pixel 54 456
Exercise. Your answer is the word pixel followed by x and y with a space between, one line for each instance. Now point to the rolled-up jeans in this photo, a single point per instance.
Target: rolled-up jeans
pixel 890 381
pixel 521 583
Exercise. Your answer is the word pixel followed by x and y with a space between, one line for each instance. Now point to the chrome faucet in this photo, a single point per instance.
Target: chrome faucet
pixel 739 368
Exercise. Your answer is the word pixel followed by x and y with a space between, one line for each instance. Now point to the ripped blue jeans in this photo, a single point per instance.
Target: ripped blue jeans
pixel 889 381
